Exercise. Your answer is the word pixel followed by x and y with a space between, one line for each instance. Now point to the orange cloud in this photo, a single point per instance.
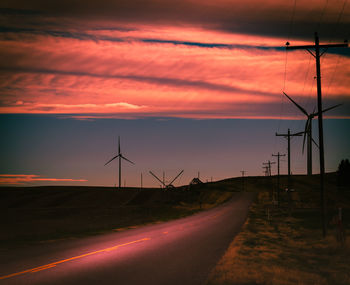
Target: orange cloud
pixel 173 74
pixel 19 179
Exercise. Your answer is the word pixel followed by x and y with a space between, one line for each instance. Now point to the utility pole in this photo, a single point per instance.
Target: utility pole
pixel 317 56
pixel 268 165
pixel 120 164
pixel 243 172
pixel 288 135
pixel 120 172
pixel 141 180
pixel 278 155
pixel 266 170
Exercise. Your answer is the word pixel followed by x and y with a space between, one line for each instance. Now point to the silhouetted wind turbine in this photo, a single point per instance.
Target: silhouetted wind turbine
pixel 120 161
pixel 166 186
pixel 308 131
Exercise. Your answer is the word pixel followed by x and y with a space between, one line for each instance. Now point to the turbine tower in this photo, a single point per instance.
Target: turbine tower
pixel 120 162
pixel 308 131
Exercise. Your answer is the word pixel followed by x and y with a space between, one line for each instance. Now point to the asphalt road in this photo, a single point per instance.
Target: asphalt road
pixel 176 252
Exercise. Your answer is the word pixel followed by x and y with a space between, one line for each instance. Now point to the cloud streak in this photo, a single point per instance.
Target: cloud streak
pixel 244 17
pixel 20 179
pixel 55 60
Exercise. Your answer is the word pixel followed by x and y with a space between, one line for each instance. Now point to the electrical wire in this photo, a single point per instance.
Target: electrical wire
pixel 322 14
pixel 340 15
pixel 339 56
pixel 292 20
pixel 291 24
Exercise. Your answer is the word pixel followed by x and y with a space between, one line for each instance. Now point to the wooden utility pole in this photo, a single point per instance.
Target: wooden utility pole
pixel 268 165
pixel 266 170
pixel 317 56
pixel 288 135
pixel 141 180
pixel 243 172
pixel 278 155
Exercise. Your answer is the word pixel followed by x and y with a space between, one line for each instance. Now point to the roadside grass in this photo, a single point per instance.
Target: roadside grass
pixel 30 215
pixel 278 246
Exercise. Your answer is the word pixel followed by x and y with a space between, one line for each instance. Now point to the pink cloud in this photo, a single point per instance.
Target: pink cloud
pixel 19 179
pixel 135 77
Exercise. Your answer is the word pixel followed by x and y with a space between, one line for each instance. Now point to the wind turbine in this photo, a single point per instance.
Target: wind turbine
pixel 308 131
pixel 166 186
pixel 120 161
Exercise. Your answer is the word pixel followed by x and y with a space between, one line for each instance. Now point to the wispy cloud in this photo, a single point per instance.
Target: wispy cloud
pixel 56 60
pixel 236 16
pixel 20 179
pixel 6 32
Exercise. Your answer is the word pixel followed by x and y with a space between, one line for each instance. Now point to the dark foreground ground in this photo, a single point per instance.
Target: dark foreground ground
pixel 182 251
pixel 283 244
pixel 41 214
pixel 47 224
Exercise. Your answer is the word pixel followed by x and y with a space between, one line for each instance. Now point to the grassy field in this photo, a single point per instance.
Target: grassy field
pixel 42 214
pixel 282 245
pixel 277 245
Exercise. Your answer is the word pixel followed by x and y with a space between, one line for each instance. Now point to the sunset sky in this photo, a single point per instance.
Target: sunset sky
pixel 193 85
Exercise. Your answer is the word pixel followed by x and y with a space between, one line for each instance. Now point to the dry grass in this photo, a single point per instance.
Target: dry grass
pixel 41 214
pixel 284 250
pixel 206 200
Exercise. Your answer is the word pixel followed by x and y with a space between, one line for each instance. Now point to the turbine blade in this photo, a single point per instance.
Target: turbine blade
pixel 155 176
pixel 330 108
pixel 126 159
pixel 176 177
pixel 111 159
pixel 296 104
pixel 325 110
pixel 314 142
pixel 297 134
pixel 303 143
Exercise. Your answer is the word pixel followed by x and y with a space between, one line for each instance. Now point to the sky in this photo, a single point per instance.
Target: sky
pixel 193 85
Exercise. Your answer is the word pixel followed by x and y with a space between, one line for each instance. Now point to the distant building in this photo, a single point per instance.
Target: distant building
pixel 195 181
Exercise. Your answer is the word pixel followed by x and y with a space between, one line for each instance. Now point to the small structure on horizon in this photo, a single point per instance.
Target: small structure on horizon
pixel 195 181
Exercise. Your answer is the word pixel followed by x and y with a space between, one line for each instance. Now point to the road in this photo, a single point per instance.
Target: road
pixel 177 252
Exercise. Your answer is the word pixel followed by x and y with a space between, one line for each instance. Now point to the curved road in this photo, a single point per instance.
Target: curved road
pixel 177 252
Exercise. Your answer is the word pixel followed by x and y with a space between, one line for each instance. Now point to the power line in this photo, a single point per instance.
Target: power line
pixel 331 38
pixel 292 20
pixel 333 74
pixel 321 17
pixel 291 23
pixel 317 47
pixel 338 21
